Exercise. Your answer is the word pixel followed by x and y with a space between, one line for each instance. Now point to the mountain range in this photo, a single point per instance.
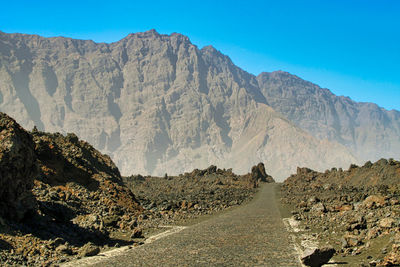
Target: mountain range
pixel 158 104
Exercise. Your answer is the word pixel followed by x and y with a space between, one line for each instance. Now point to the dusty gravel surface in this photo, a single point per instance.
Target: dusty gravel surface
pixel 250 235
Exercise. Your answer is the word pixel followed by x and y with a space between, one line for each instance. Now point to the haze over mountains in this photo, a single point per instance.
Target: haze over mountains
pixel 371 132
pixel 157 104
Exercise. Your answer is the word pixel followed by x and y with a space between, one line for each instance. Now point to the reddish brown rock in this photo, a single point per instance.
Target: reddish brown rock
pixel 393 258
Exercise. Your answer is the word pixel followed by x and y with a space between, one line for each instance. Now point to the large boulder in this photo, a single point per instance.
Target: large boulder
pixel 17 170
pixel 317 257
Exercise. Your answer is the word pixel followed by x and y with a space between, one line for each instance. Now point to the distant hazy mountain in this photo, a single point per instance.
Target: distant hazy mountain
pixel 157 104
pixel 369 131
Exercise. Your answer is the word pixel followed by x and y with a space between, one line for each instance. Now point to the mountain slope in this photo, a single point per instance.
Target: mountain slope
pixel 369 131
pixel 155 103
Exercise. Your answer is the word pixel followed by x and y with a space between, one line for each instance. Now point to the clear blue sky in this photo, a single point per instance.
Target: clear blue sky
pixel 349 46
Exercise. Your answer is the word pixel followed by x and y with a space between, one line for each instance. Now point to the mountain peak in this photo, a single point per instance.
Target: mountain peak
pixel 278 73
pixel 210 49
pixel 282 73
pixel 149 33
pixel 157 104
pixel 211 52
pixel 154 34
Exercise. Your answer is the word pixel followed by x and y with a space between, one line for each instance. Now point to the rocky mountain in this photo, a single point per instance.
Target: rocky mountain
pixel 368 130
pixel 155 103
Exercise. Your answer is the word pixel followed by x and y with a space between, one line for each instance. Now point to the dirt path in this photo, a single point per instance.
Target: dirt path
pixel 250 235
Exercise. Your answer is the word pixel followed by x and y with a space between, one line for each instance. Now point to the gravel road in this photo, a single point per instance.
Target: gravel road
pixel 250 235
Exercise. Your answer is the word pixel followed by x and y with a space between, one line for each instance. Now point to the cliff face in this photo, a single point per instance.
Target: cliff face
pixel 155 103
pixel 369 131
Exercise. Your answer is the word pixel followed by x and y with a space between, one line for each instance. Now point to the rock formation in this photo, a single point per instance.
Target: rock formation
pixel 369 131
pixel 56 194
pixel 77 183
pixel 17 169
pixel 258 173
pixel 156 104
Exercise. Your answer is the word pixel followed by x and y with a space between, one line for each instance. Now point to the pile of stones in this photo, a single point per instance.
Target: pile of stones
pixel 173 199
pixel 360 218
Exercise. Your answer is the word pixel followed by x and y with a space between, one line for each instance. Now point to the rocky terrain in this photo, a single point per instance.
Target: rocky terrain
pixel 61 199
pixel 178 199
pixel 357 211
pixel 369 131
pixel 155 103
pixel 17 170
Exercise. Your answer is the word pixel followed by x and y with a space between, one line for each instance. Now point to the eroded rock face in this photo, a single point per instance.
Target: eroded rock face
pixel 17 170
pixel 370 131
pixel 155 103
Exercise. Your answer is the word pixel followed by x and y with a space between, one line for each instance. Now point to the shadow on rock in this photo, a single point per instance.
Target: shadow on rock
pixel 61 161
pixel 52 226
pixel 4 245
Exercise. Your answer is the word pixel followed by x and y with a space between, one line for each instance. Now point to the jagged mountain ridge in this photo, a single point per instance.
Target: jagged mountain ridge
pixel 371 132
pixel 155 103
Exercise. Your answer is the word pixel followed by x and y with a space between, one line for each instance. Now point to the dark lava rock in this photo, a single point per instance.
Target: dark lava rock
pixel 258 173
pixel 67 159
pixel 187 196
pixel 17 170
pixel 212 169
pixel 137 233
pixel 317 257
pixel 110 220
pixel 356 205
pixel 71 192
